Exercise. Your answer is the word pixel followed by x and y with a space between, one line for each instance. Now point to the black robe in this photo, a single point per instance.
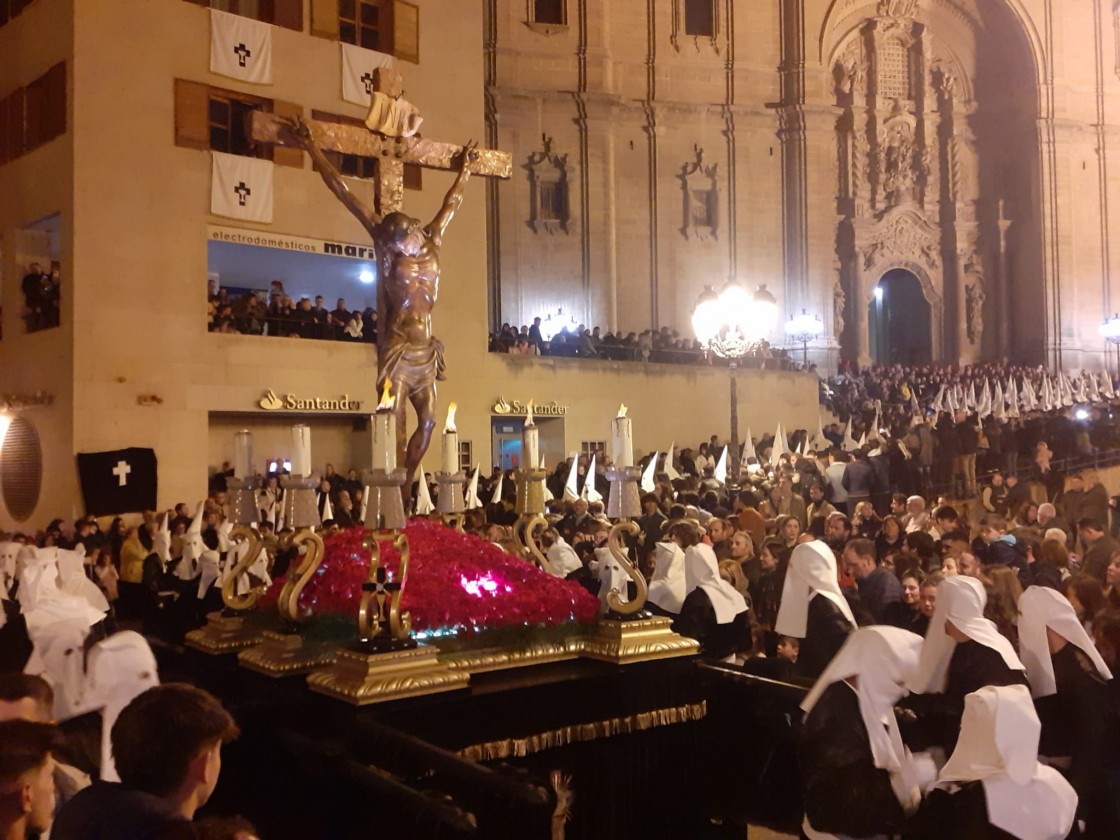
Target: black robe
pixel 697 620
pixel 972 667
pixel 1075 723
pixel 962 816
pixel 15 643
pixel 826 630
pixel 845 793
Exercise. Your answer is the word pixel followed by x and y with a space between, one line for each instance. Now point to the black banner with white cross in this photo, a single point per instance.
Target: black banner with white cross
pixel 240 48
pixel 120 481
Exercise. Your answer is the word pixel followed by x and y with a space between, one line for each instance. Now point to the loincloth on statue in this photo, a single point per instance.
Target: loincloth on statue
pixel 413 367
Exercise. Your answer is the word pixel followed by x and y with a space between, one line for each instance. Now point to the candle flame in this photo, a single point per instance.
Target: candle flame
pixel 622 410
pixel 388 401
pixel 529 414
pixel 449 426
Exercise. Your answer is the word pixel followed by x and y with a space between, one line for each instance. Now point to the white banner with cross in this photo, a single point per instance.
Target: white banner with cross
pixel 241 187
pixel 358 65
pixel 240 48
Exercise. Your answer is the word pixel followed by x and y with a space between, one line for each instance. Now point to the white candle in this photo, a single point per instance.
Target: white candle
pixel 384 441
pixel 301 450
pixel 243 455
pixel 530 447
pixel 622 440
pixel 450 452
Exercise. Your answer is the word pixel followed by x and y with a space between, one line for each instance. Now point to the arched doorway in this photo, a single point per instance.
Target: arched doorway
pixel 898 321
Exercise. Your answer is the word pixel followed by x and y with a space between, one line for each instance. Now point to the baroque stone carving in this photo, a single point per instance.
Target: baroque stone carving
pixel 900 164
pixel 902 237
pixel 839 301
pixel 897 8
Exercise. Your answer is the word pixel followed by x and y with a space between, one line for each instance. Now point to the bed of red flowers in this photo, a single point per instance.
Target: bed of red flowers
pixel 457 583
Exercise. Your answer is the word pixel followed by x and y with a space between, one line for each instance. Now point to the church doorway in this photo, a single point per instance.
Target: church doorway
pixel 899 321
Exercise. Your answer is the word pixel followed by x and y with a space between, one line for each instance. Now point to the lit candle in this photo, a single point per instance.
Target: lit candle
pixel 385 432
pixel 450 443
pixel 530 441
pixel 243 455
pixel 622 440
pixel 301 450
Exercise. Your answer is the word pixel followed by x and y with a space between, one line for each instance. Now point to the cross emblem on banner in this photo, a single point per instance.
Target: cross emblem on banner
pixel 121 471
pixel 243 53
pixel 242 191
pixel 391 153
pixel 368 81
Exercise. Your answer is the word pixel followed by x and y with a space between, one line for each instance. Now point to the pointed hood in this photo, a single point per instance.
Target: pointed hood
pixel 648 485
pixel 424 504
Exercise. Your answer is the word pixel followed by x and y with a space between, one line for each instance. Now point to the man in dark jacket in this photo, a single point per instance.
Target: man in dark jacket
pixel 1099 548
pixel 969 439
pixel 858 480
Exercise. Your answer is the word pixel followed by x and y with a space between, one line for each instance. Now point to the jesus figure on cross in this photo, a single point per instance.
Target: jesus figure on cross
pixel 409 356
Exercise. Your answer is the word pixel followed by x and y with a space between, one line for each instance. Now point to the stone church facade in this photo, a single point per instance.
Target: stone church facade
pixel 815 146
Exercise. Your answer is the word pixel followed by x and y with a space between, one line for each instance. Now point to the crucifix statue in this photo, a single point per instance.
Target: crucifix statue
pixel 408 251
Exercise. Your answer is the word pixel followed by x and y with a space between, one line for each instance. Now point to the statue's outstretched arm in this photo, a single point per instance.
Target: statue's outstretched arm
pixel 330 175
pixel 454 197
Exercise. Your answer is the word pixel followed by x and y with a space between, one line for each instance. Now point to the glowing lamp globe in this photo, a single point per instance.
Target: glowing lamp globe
pixel 735 307
pixel 764 316
pixel 706 316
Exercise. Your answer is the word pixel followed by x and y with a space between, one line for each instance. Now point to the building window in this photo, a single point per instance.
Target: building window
pixel 286 13
pixel 360 22
pixel 548 176
pixel 227 120
pixel 388 26
pixel 466 455
pixel 588 448
pixel 892 64
pixel 550 11
pixel 700 18
pixel 33 115
pixel 208 117
pixel 354 166
pixel 701 197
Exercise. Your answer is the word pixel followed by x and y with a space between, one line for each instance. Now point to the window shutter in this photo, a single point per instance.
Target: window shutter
pixel 406 31
pixel 289 14
pixel 34 105
pixel 4 156
pixel 192 124
pixel 282 154
pixel 54 108
pixel 324 18
pixel 15 124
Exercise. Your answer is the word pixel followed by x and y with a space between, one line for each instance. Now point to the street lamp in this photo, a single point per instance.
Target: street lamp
pixel 802 329
pixel 554 322
pixel 1110 332
pixel 731 324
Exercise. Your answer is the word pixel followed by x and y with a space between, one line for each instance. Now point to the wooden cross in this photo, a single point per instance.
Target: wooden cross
pixel 391 153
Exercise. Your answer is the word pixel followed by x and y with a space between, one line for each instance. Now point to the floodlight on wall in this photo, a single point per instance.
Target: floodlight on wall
pixel 802 329
pixel 366 276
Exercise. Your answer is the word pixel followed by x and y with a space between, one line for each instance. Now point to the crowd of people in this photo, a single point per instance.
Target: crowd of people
pixel 664 345
pixel 825 566
pixel 41 296
pixel 281 315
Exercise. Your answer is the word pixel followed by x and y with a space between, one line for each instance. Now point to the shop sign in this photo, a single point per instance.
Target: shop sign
pixel 518 408
pixel 271 401
pixel 14 402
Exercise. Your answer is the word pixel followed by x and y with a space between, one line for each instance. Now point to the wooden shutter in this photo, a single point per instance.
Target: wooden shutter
pixel 15 124
pixel 406 31
pixel 324 18
pixel 34 106
pixel 281 154
pixel 192 124
pixel 289 14
pixel 54 108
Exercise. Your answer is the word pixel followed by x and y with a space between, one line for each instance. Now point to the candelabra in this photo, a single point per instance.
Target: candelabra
pixel 450 503
pixel 530 520
pixel 629 633
pixel 285 652
pixel 385 662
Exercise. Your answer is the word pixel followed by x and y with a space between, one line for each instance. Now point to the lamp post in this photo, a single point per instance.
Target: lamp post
pixel 731 324
pixel 1110 332
pixel 802 329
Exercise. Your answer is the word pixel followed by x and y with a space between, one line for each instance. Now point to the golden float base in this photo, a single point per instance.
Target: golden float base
pixel 497 659
pixel 641 640
pixel 361 678
pixel 223 634
pixel 286 655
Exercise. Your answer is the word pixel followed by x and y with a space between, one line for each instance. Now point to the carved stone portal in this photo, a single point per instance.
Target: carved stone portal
pixel 548 197
pixel 701 198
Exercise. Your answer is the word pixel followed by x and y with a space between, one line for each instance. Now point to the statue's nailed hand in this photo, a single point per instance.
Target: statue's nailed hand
pixel 299 130
pixel 469 153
